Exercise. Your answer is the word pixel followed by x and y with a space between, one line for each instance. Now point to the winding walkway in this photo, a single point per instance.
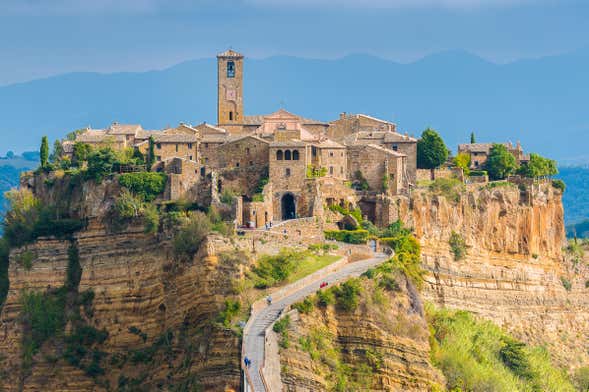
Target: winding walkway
pixel 254 333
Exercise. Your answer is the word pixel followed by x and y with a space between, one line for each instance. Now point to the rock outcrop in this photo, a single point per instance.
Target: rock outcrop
pixel 514 272
pixel 382 345
pixel 158 314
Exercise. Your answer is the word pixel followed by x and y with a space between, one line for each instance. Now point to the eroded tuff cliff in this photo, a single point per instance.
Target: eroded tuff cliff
pixel 514 272
pixel 158 314
pixel 382 345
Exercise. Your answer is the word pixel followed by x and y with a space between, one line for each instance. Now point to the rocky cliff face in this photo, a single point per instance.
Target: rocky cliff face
pixel 382 345
pixel 158 314
pixel 514 272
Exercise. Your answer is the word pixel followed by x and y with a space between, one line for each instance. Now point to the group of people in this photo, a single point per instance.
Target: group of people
pixel 268 225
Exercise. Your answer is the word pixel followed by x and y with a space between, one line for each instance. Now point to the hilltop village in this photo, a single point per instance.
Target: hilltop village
pixel 281 165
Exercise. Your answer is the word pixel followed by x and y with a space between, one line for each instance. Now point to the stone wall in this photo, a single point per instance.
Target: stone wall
pixel 244 152
pixel 442 172
pixel 374 162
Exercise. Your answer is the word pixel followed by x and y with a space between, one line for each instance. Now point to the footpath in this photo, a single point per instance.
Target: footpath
pixel 262 317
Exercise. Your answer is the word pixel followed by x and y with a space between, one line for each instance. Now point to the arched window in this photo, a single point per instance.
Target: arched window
pixel 230 116
pixel 287 155
pixel 230 69
pixel 279 155
pixel 295 155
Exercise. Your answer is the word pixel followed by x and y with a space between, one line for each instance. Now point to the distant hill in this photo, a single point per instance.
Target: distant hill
pixel 542 102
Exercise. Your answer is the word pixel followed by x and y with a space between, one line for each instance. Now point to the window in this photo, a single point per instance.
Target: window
pixel 206 160
pixel 279 155
pixel 202 171
pixel 331 170
pixel 295 155
pixel 247 150
pixel 287 155
pixel 158 158
pixel 190 145
pixel 190 157
pixel 288 172
pixel 237 164
pixel 230 116
pixel 314 151
pixel 331 153
pixel 230 69
pixel 158 146
pixel 476 163
pixel 395 147
pixel 176 147
pixel 251 163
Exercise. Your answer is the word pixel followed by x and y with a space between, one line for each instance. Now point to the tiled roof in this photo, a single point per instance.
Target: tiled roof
pixel 124 129
pixel 211 127
pixel 479 147
pixel 236 138
pixel 328 143
pixel 379 148
pixel 213 138
pixel 92 136
pixel 175 138
pixel 375 136
pixel 259 119
pixel 230 53
pixel 288 143
pixel 144 134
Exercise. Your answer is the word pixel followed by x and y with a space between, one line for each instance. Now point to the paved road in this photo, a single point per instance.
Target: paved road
pixel 254 339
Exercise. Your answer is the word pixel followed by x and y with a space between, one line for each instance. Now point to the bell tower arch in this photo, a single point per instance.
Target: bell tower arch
pixel 229 88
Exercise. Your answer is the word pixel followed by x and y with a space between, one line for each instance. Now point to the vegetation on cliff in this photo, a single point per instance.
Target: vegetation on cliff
pixel 477 355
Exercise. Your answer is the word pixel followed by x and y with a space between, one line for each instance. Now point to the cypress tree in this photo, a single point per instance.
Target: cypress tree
pixel 472 140
pixel 44 151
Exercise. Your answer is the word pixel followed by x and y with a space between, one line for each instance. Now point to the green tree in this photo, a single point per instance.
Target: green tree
pixel 150 159
pixel 431 150
pixel 538 166
pixel 462 160
pixel 100 163
pixel 44 151
pixel 81 152
pixel 472 139
pixel 500 163
pixel 57 152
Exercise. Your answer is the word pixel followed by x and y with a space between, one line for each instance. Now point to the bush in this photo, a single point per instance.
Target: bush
pixel 559 184
pixel 272 270
pixel 566 283
pixel 500 163
pixel 478 173
pixel 146 185
pixel 25 259
pixel 450 188
pixel 325 297
pixel 348 294
pixel 227 197
pixel 19 220
pixel 100 164
pixel 281 327
pixel 349 236
pixel 231 310
pixel 151 219
pixel 581 378
pixel 305 306
pixel 389 283
pixel 187 240
pixel 457 246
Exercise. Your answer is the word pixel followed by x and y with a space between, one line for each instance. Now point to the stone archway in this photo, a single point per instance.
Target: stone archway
pixel 288 206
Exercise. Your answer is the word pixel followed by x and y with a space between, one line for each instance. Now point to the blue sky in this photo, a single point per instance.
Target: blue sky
pixel 47 37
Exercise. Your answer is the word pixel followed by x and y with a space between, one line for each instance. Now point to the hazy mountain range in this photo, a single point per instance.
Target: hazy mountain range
pixel 542 102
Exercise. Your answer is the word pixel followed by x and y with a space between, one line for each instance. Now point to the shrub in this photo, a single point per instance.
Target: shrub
pixel 325 297
pixel 457 246
pixel 128 206
pixel 349 236
pixel 25 259
pixel 305 306
pixel 231 310
pixel 462 160
pixel 395 229
pixel 81 153
pixel 389 283
pixel 450 188
pixel 500 163
pixel 146 185
pixel 189 237
pixel 281 327
pixel 559 184
pixel 151 219
pixel 478 173
pixel 275 269
pixel 566 283
pixel 100 164
pixel 19 220
pixel 348 294
pixel 581 378
pixel 513 356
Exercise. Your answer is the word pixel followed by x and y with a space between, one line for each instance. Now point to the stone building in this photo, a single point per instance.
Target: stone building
pixel 382 170
pixel 479 152
pixel 230 91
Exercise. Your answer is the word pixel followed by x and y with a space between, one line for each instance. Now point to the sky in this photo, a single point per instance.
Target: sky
pixel 41 38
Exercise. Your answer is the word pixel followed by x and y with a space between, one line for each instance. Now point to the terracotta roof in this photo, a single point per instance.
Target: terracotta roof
pixel 213 138
pixel 211 127
pixel 93 136
pixel 236 138
pixel 175 138
pixel 288 143
pixel 230 53
pixel 375 136
pixel 379 148
pixel 124 129
pixel 145 134
pixel 328 143
pixel 480 147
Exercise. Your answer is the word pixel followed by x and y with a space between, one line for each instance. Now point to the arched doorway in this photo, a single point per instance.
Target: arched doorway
pixel 288 206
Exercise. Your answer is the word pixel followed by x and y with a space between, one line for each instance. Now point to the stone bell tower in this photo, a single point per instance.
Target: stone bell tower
pixel 229 89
